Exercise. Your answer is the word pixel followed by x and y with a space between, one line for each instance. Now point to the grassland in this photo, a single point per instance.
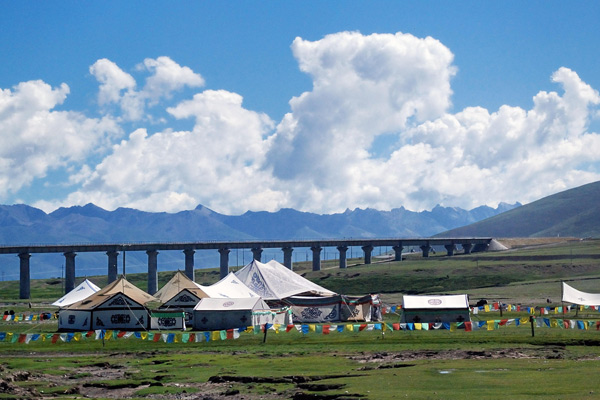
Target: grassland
pixel 498 364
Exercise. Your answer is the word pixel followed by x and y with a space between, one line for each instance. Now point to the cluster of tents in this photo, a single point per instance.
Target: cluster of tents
pixel 257 294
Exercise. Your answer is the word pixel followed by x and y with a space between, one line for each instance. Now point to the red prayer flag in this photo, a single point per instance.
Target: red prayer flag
pixel 326 329
pixel 396 326
pixel 289 328
pixel 192 338
pixel 55 338
pixel 121 334
pixel 22 337
pixel 362 327
pixel 468 326
pixel 156 337
pixel 503 322
pixel 229 333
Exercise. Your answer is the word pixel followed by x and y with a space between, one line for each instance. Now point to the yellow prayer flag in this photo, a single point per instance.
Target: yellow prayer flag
pixel 452 326
pixel 486 308
pixel 490 325
pixel 215 335
pixel 350 327
pixel 418 326
pixel 312 327
pixel 553 323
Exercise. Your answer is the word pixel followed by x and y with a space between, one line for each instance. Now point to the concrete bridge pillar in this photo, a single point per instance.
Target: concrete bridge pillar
pixel 25 276
pixel 257 253
pixel 113 261
pixel 467 247
pixel 368 249
pixel 189 263
pixel 152 271
pixel 450 248
pixel 287 257
pixel 425 248
pixel 343 250
pixel 398 252
pixel 224 264
pixel 69 271
pixel 316 258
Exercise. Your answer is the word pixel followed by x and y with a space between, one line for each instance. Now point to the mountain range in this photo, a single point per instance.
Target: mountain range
pixel 21 225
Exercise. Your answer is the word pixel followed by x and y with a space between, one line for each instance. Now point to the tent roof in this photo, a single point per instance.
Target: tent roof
pixel 229 287
pixel 572 295
pixel 121 285
pixel 176 284
pixel 82 291
pixel 273 281
pixel 216 304
pixel 436 302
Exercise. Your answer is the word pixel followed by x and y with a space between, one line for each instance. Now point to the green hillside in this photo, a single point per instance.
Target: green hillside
pixel 572 213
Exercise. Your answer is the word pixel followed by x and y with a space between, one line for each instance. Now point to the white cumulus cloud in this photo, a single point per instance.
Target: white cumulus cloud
pixel 325 155
pixel 218 162
pixel 35 138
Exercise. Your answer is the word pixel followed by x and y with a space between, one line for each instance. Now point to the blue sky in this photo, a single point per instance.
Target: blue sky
pixel 318 106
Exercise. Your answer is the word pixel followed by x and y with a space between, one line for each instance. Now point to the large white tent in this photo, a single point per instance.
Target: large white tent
pixel 273 281
pixel 84 290
pixel 572 295
pixel 213 314
pixel 435 308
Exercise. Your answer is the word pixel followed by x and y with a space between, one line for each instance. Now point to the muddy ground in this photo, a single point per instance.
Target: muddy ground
pixel 87 382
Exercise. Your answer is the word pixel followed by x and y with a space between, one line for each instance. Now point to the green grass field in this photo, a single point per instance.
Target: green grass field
pixel 504 363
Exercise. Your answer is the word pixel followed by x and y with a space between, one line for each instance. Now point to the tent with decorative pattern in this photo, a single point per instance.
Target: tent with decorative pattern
pixel 120 305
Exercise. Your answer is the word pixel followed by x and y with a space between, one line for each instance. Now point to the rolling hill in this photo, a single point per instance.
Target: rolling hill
pixel 574 212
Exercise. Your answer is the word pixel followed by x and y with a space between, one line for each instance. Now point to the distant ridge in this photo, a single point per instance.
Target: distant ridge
pixel 22 225
pixel 573 213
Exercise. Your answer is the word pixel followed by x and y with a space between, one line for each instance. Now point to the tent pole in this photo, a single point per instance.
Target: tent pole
pixel 562 289
pixel 265 337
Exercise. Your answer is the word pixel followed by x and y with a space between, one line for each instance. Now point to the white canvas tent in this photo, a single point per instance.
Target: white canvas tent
pixel 120 305
pixel 273 281
pixel 84 290
pixel 338 308
pixel 435 308
pixel 572 295
pixel 229 287
pixel 213 314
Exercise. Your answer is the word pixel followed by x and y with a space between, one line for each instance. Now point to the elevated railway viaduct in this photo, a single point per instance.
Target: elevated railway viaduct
pixel 112 250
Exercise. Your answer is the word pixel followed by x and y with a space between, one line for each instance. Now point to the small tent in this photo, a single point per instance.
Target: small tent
pixel 273 281
pixel 435 308
pixel 120 305
pixel 84 290
pixel 181 293
pixel 572 295
pixel 220 314
pixel 167 320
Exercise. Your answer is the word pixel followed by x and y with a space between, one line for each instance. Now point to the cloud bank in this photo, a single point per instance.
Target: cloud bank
pixel 375 130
